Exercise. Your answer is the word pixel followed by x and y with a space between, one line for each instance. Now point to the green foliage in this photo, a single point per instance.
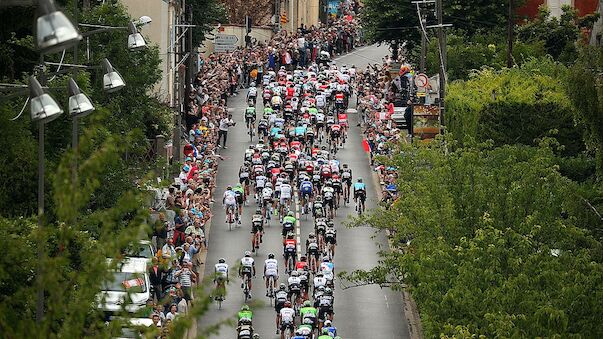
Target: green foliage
pixel 390 21
pixel 585 89
pixel 467 54
pixel 559 35
pixel 483 222
pixel 206 14
pixel 510 106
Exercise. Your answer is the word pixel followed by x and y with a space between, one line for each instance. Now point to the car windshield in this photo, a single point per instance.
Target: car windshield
pixel 139 251
pixel 126 282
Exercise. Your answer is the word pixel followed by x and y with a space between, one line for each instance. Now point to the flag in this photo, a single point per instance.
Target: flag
pixel 133 283
pixel 366 146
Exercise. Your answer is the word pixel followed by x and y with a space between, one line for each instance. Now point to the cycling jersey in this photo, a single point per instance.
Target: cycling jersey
pixel 260 181
pixel 287 314
pixel 359 186
pixel 230 198
pixel 246 265
pixel 271 267
pixel 221 270
pixel 252 92
pixel 305 187
pixel 286 191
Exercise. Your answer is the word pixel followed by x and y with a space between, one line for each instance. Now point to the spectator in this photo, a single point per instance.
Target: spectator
pixel 156 276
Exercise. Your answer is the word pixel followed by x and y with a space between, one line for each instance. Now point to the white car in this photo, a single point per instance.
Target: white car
pixel 129 285
pixel 134 328
pixel 141 249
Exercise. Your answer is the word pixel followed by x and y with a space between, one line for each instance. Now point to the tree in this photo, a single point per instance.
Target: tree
pixel 558 34
pixel 260 11
pixel 390 22
pixel 489 241
pixel 585 89
pixel 510 106
pixel 206 13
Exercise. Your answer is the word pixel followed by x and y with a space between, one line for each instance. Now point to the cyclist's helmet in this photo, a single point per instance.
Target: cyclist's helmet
pixel 258 211
pixel 323 147
pixel 321 288
pixel 311 235
pixel 319 274
pixel 252 84
pixel 328 291
pixel 282 287
pixel 325 259
pixel 287 303
pixel 290 213
pixel 345 165
pixel 294 273
pixel 244 308
pixel 328 323
pixel 247 253
pixel 325 331
pixel 359 179
pixel 221 260
pixel 290 235
pixel 307 303
pixel 270 255
pixel 303 258
pixel 229 187
pixel 256 336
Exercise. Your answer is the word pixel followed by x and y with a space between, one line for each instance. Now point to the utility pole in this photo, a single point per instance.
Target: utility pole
pixel 510 25
pixel 423 45
pixel 442 47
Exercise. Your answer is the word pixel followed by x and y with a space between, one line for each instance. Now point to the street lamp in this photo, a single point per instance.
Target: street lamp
pixel 135 40
pixel 54 31
pixel 112 80
pixel 79 103
pixel 43 107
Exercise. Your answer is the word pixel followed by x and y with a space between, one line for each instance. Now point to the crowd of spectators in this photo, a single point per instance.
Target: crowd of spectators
pixel 179 230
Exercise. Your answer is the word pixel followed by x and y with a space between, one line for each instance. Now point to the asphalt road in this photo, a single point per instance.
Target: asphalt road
pixel 360 312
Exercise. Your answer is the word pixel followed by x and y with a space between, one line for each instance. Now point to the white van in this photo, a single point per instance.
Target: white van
pixel 129 279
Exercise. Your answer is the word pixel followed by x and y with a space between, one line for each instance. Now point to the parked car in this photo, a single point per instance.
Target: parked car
pixel 129 285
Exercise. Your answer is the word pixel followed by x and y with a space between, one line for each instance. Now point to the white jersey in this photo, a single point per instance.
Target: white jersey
pixel 276 100
pixel 286 191
pixel 252 92
pixel 221 269
pixel 293 281
pixel 319 281
pixel 260 181
pixel 230 198
pixel 271 266
pixel 247 261
pixel 267 193
pixel 320 100
pixel 287 314
pixel 266 79
pixel 320 117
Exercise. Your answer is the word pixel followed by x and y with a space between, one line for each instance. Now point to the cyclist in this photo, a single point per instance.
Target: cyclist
pixel 346 176
pixel 257 225
pixel 359 194
pixel 288 223
pixel 280 298
pixel 302 264
pixel 270 272
pixel 286 191
pixel 260 184
pixel 308 314
pixel 252 94
pixel 290 250
pixel 240 196
pixel 332 330
pixel 250 116
pixel 331 238
pixel 325 306
pixel 244 329
pixel 294 287
pixel 244 173
pixel 229 200
pixel 267 198
pixel 319 282
pixel 220 277
pixel 287 319
pixel 312 250
pixel 245 312
pixel 325 335
pixel 328 194
pixel 305 189
pixel 246 270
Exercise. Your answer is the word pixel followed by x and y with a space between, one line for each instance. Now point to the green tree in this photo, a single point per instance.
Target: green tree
pixel 585 89
pixel 206 14
pixel 518 105
pixel 479 239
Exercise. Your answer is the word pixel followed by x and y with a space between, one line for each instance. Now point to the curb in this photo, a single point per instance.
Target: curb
pixel 411 311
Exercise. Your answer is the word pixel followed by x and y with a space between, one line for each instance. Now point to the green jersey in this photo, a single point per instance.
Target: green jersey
pixel 289 219
pixel 308 311
pixel 245 314
pixel 238 189
pixel 250 112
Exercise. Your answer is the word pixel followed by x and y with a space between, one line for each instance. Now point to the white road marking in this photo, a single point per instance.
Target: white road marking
pixel 297 223
pixel 386 302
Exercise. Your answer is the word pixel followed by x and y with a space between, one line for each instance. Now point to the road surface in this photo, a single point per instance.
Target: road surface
pixel 366 312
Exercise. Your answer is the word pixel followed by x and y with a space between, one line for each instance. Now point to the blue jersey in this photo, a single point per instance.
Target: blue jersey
pixel 359 186
pixel 332 330
pixel 300 131
pixel 274 131
pixel 306 187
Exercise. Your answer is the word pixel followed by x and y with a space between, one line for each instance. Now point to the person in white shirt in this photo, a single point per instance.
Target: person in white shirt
pixel 220 276
pixel 229 200
pixel 225 123
pixel 270 272
pixel 246 270
pixel 287 319
pixel 286 191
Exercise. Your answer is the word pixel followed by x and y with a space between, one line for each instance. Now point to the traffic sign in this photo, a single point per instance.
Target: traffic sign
pixel 226 39
pixel 283 18
pixel 224 48
pixel 421 80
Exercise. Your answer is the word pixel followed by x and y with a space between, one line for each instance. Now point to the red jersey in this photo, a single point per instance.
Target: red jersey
pixel 290 91
pixel 335 128
pixel 315 151
pixel 293 157
pixel 275 171
pixel 300 265
pixel 339 97
pixel 343 119
pixel 290 243
pixel 295 144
